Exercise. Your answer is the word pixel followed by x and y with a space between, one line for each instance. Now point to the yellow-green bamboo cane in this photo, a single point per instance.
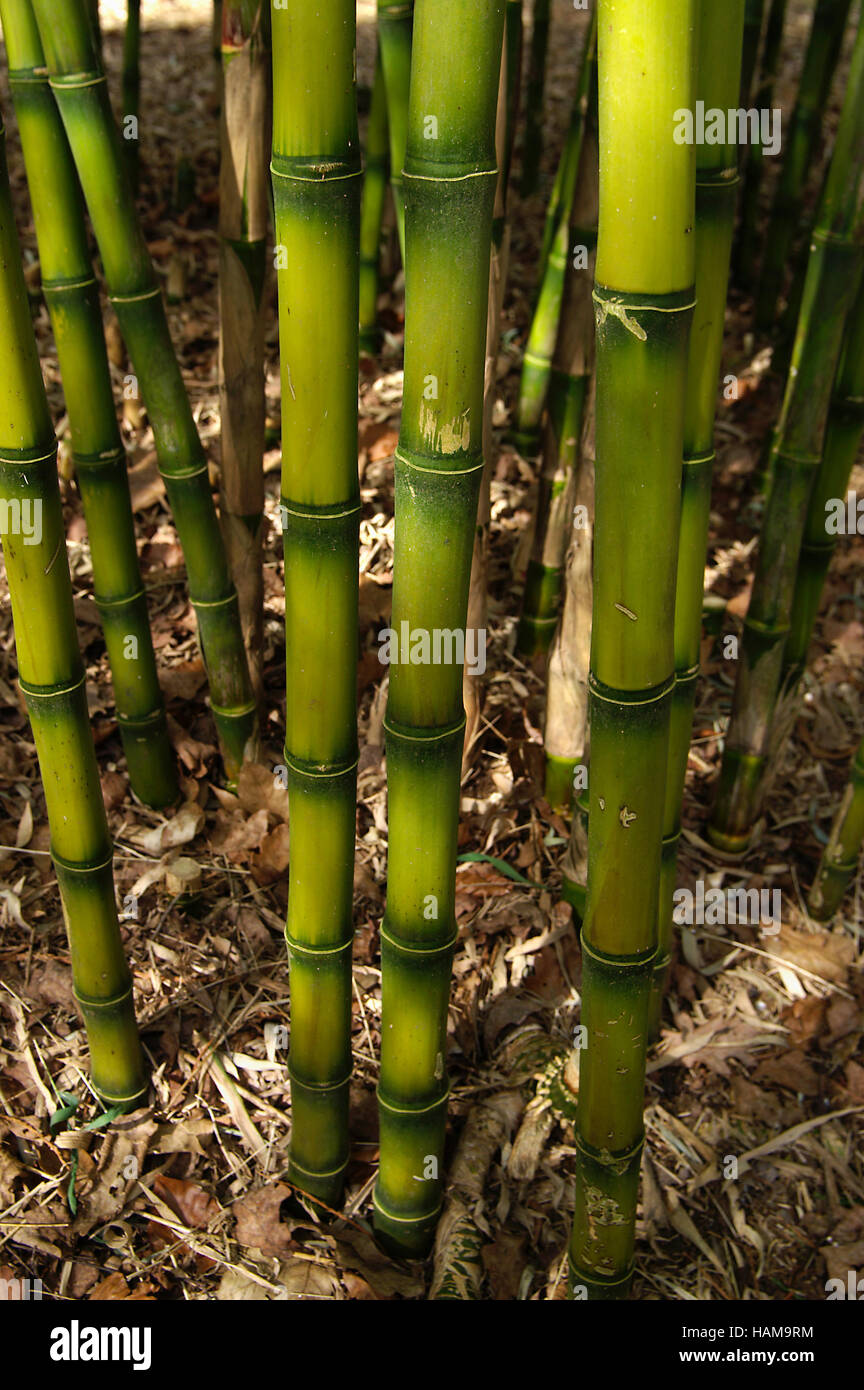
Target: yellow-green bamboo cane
pixel 243 200
pixel 72 297
pixel 450 179
pixel 718 80
pixel 644 300
pixel 51 675
pixel 316 192
pixel 79 86
pixel 395 26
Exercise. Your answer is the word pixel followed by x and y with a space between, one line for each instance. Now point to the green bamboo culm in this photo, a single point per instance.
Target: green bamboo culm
pixel 132 87
pixel 569 379
pixel 537 362
pixel 372 209
pixel 718 78
pixel 81 92
pixel 532 145
pixel 747 250
pixel 644 302
pixel 840 858
pixel 568 165
pixel 826 510
pixel 243 206
pixel 754 13
pixel 800 142
pixel 72 297
pixel 450 180
pixel 51 676
pixel 316 192
pixel 395 27
pixel 513 48
pixel 833 276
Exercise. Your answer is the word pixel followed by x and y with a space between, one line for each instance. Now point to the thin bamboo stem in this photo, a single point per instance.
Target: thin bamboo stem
pixel 840 858
pixel 395 26
pixel 532 146
pixel 243 202
pixel 718 80
pixel 826 39
pixel 81 91
pixel 372 209
pixel 72 297
pixel 51 676
pixel 747 253
pixel 833 275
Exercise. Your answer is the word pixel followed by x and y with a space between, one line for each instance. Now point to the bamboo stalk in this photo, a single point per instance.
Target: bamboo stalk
pixel 72 297
pixel 840 858
pixel 537 362
pixel 395 26
pixel 569 376
pixel 842 442
pixel 372 209
pixel 833 275
pixel 316 191
pixel 51 676
pixel 132 84
pixel 826 39
pixel 718 80
pixel 513 47
pixel 82 95
pixel 754 14
pixel 747 253
pixel 450 180
pixel 532 146
pixel 644 303
pixel 243 200
pixel 565 728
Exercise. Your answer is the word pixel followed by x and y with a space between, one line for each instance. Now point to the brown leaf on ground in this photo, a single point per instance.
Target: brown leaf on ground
pixel 258 788
pixel 825 954
pixel 258 1224
pixel 504 1260
pixel 195 1207
pixel 805 1019
pixel 790 1070
pixel 358 1252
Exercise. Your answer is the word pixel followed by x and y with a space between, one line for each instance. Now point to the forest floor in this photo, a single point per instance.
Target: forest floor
pixel 761 1058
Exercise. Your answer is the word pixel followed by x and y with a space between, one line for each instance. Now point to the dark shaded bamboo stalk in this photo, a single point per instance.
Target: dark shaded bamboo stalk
pixel 801 139
pixel 532 146
pixel 81 92
pixel 450 180
pixel 753 16
pixel 72 297
pixel 537 362
pixel 395 26
pixel 570 373
pixel 747 251
pixel 842 442
pixel 316 192
pixel 372 209
pixel 644 302
pixel 840 859
pixel 499 264
pixel 718 80
pixel 567 173
pixel 243 200
pixel 513 47
pixel 51 676
pixel 132 87
pixel 833 275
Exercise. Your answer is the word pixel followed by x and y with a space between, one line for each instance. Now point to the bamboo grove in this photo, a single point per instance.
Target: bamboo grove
pixel 646 229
